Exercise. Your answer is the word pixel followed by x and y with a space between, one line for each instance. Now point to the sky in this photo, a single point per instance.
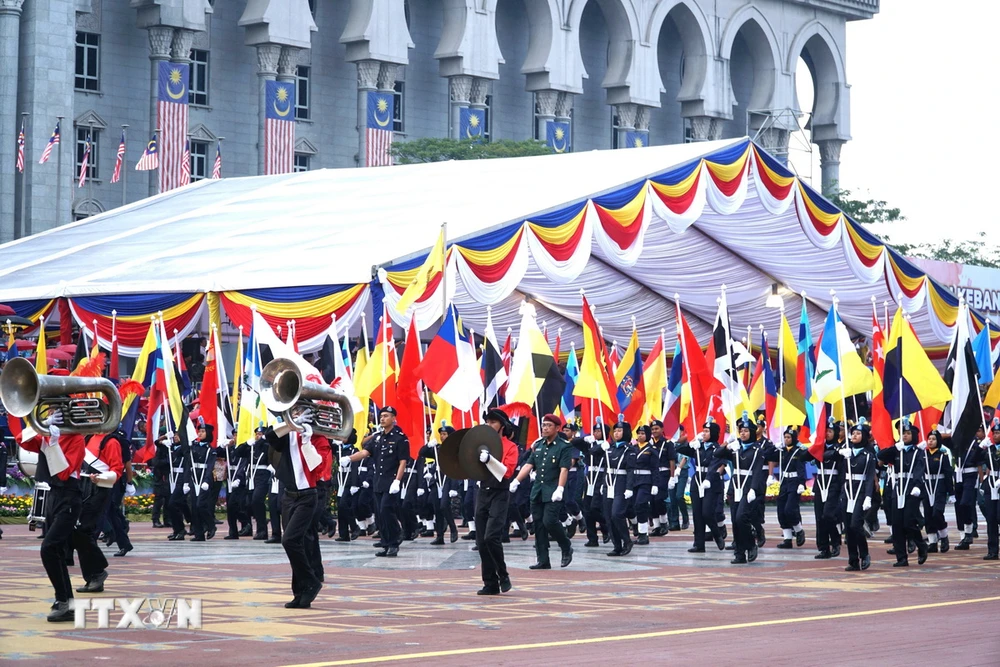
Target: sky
pixel 923 80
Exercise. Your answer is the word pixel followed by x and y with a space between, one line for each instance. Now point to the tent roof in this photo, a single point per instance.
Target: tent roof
pixel 333 226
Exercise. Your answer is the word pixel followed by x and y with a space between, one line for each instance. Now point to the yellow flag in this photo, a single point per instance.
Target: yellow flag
pixel 654 377
pixel 433 265
pixel 361 416
pixel 41 362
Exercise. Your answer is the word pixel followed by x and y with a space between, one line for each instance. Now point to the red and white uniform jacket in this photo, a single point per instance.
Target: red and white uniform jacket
pixel 107 461
pixel 63 454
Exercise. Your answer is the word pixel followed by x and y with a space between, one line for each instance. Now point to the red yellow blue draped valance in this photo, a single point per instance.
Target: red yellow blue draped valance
pixel 129 317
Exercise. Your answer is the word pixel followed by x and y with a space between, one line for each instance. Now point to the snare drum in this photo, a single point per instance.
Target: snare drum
pixel 38 505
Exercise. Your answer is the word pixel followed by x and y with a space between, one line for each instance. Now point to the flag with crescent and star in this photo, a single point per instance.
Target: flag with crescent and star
pixel 279 127
pixel 557 136
pixel 636 139
pixel 378 129
pixel 471 123
pixel 172 118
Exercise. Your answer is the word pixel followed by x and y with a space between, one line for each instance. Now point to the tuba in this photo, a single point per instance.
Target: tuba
pixel 26 394
pixel 286 393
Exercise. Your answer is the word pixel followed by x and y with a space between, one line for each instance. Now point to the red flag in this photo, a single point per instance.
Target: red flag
pixel 209 396
pixel 409 404
pixel 819 437
pixel 113 372
pixel 881 422
pixel 698 373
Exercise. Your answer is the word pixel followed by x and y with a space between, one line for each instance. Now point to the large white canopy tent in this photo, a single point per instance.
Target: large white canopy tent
pixel 701 215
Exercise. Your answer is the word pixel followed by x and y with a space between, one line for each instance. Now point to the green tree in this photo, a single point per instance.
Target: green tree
pixel 438 150
pixel 877 214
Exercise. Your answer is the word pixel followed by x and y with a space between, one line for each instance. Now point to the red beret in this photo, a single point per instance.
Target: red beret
pixel 552 419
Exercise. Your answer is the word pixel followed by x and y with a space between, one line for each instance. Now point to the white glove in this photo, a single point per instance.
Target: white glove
pixel 771 480
pixel 355 489
pixel 533 475
pixel 706 485
pixel 900 445
pixel 699 439
pixel 420 492
pixel 428 475
pixel 394 487
pixel 204 486
pixel 130 489
pixel 672 483
pixel 751 496
pixel 696 444
pixel 922 445
pixel 186 488
pixel 845 452
pixel 951 500
pixel 3 490
pixel 557 495
pixel 733 446
pixel 655 491
pixel 236 483
pixel 915 492
pixel 453 494
pixel 484 456
pixel 801 489
pixel 514 484
pixel 307 432
pixel 365 485
pixel 985 444
pixel 866 504
pixel 606 446
pixel 944 432
pixel 345 461
pixel 589 439
pixel 54 431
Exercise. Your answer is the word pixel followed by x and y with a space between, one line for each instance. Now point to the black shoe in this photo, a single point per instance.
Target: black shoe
pixel 231 537
pixel 740 559
pixel 124 550
pixel 901 563
pixel 627 548
pixel 614 554
pixel 61 613
pixel 260 536
pixel 800 538
pixel 887 540
pixel 684 526
pixel 752 553
pixel 380 545
pixel 567 557
pixel 95 585
pixel 198 538
pixel 643 539
pixel 343 539
pixel 720 542
pixel 355 533
pixel 866 562
pixel 427 533
pixel 975 532
pixel 677 527
pixel 294 604
pixel 731 546
pixel 696 550
pixel 592 543
pixel 991 557
pixel 605 539
pixel 835 552
pixel 911 546
pixel 273 540
pixel 964 544
pixel 392 552
pixel 488 590
pixel 211 533
pixel 246 531
pixel 761 540
pixel 157 524
pixel 540 566
pixel 505 585
pixel 891 552
pixel 218 522
pixel 785 544
pixel 471 535
pixel 176 537
pixel 439 542
pixel 944 545
pixel 823 555
pixel 370 530
pixel 725 532
pixel 454 535
pixel 384 552
pixel 852 566
pixel 922 552
pixel 876 526
pixel 307 598
pixel 571 529
pixel 932 548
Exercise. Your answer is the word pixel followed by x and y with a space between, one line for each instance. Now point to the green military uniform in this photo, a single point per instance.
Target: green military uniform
pixel 548 460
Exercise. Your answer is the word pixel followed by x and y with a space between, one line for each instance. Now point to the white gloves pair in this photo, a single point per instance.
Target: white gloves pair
pixel 129 490
pixel 915 492
pixel 236 483
pixel 345 461
pixel 394 487
pixel 751 496
pixel 589 439
pixel 628 494
pixel 484 456
pixel 655 491
pixel 985 444
pixel 557 495
pixel 845 452
pixel 801 489
pixel 355 489
pixel 420 492
pixel 453 494
pixel 866 504
pixel 514 483
pixel 900 445
pixel 307 432
pixel 922 445
pixel 672 484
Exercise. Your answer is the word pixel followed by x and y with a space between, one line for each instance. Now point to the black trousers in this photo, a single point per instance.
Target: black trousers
pixel 444 517
pixel 789 509
pixel 235 512
pixel 703 513
pixel 827 519
pixel 388 518
pixel 595 515
pixel 906 525
pixel 743 515
pixel 161 494
pixel 992 514
pixel 546 519
pixel 857 542
pixel 298 510
pixel 643 498
pixel 274 504
pixel 84 538
pixel 258 500
pixel 64 506
pixel 115 514
pixel 177 508
pixel 203 511
pixel 491 527
pixel 615 508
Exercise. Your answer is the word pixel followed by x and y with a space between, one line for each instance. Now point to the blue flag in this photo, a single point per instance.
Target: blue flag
pixel 279 96
pixel 636 139
pixel 173 82
pixel 472 123
pixel 568 402
pixel 984 361
pixel 557 136
pixel 380 110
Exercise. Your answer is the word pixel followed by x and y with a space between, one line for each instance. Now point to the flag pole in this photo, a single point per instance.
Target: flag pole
pixel 24 180
pixel 684 356
pixel 124 164
pixel 781 374
pixel 90 182
pixel 59 183
pixel 843 396
pixel 444 271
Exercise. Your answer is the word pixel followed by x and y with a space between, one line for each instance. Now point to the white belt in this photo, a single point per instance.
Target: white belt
pixel 968 471
pixel 642 472
pixel 822 471
pixel 791 475
pixel 743 473
pixel 701 469
pixel 937 476
pixel 199 465
pixel 617 472
pixel 664 469
pixel 178 469
pixel 363 469
pixel 856 478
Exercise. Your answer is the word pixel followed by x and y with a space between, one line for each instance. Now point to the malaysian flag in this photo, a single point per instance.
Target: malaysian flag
pixel 279 127
pixel 217 167
pixel 150 157
pixel 53 140
pixel 20 148
pixel 172 117
pixel 378 129
pixel 84 163
pixel 119 158
pixel 186 164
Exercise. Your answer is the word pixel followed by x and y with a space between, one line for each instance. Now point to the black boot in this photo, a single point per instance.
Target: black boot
pixel 944 545
pixel 964 544
pixel 852 566
pixel 901 563
pixel 800 538
pixel 785 544
pixel 866 562
pixel 643 539
pixel 922 551
pixel 739 559
pixel 823 555
pixel 932 548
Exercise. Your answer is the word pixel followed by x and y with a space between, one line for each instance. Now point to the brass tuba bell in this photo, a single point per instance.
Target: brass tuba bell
pixel 286 393
pixel 27 394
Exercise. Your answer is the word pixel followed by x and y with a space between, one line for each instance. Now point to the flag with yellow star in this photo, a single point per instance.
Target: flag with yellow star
pixel 557 136
pixel 472 123
pixel 636 139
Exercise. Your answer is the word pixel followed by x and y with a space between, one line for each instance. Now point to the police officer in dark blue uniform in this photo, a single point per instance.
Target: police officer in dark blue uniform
pixel 619 482
pixel 791 471
pixel 645 476
pixel 827 488
pixel 706 487
pixel 907 478
pixel 749 475
pixel 858 485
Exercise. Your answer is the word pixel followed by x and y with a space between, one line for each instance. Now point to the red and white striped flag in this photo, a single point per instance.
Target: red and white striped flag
pixel 172 117
pixel 53 140
pixel 119 158
pixel 84 163
pixel 378 129
pixel 217 167
pixel 20 148
pixel 279 127
pixel 186 164
pixel 150 157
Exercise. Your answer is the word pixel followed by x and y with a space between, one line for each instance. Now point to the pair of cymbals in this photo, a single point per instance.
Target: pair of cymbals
pixel 458 455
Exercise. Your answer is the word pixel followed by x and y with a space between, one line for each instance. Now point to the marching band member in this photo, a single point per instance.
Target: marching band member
pixel 103 465
pixel 492 503
pixel 858 488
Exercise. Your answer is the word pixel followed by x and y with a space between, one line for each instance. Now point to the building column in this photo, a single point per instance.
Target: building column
pixel 627 113
pixel 829 161
pixel 267 70
pixel 642 121
pixel 368 71
pixel 160 38
pixel 564 109
pixel 10 29
pixel 477 96
pixel 460 90
pixel 706 128
pixel 546 101
pixel 775 141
